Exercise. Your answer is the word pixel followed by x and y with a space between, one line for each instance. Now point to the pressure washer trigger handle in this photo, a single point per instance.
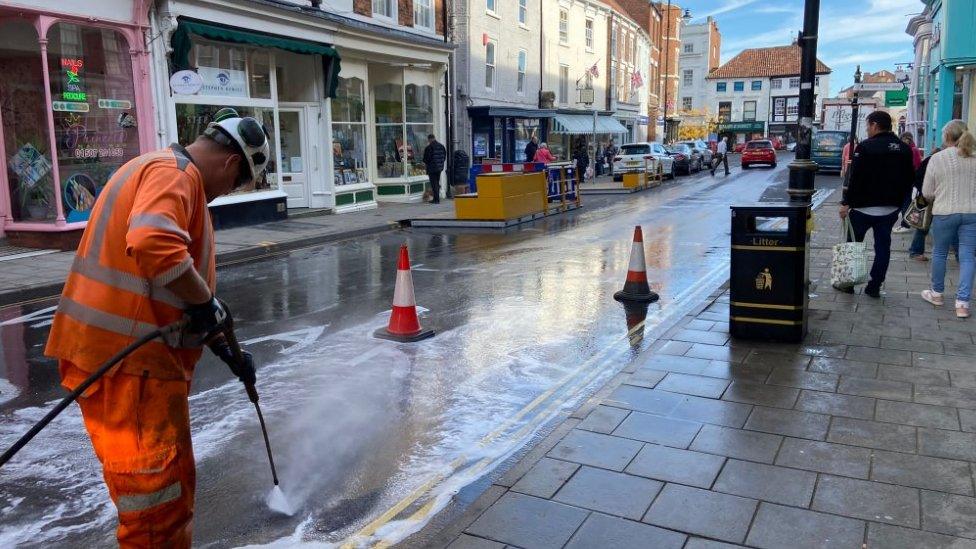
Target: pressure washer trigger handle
pixel 252 392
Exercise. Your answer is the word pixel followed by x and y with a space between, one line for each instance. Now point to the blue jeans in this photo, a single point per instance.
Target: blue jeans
pixel 917 247
pixel 945 230
pixel 880 226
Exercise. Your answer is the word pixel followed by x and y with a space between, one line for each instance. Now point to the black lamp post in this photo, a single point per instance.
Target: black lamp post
pixel 854 115
pixel 802 169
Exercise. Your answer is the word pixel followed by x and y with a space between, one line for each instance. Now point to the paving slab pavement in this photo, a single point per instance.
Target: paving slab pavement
pixel 860 436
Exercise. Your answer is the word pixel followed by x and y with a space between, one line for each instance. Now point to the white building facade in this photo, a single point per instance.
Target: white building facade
pixel 757 94
pixel 700 54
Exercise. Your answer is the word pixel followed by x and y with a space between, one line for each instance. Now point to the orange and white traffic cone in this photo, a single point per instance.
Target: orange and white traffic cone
pixel 404 325
pixel 636 287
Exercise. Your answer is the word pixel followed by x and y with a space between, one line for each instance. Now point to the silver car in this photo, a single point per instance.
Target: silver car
pixel 702 147
pixel 632 156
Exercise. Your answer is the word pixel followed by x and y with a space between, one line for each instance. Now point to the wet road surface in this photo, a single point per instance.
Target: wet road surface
pixel 367 432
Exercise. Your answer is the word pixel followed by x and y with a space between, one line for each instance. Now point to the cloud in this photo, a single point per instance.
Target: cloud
pixel 775 9
pixel 883 22
pixel 859 58
pixel 731 5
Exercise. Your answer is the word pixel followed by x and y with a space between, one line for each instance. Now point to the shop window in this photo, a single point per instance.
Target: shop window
pixel 525 129
pixel 400 140
pixel 389 129
pixel 27 143
pixel 520 85
pixel 230 70
pixel 423 14
pixel 563 26
pixel 490 65
pixel 349 152
pixel 523 10
pixel 749 111
pixel 192 120
pixel 385 8
pixel 564 84
pixel 792 108
pixel 95 117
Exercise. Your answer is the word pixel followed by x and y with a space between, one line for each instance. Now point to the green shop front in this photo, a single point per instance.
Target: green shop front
pixel 741 132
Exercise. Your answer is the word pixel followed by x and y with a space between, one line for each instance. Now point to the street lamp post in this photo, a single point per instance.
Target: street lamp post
pixel 854 123
pixel 802 169
pixel 667 82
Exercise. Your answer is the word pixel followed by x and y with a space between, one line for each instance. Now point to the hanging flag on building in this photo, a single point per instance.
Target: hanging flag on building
pixel 636 80
pixel 594 71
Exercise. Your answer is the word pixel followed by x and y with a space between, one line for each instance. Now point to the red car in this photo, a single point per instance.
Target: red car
pixel 759 151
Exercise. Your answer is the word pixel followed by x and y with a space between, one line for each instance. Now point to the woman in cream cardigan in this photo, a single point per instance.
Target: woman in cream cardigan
pixel 950 186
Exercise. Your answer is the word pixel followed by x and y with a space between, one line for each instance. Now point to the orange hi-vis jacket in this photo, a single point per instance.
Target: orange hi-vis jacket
pixel 149 225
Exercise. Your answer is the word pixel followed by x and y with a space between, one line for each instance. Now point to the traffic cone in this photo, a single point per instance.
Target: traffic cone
pixel 404 325
pixel 635 287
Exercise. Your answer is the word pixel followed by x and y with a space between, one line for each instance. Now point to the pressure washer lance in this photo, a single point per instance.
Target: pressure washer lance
pixel 252 392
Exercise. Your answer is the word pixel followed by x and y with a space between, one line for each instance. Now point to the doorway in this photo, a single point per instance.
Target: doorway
pixel 295 158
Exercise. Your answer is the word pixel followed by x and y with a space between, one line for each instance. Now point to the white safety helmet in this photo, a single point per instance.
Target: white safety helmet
pixel 245 135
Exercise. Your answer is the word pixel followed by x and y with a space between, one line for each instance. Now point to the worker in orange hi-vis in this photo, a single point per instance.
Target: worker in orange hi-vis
pixel 146 260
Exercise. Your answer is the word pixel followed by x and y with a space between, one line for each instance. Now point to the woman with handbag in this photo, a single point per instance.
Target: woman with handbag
pixel 950 186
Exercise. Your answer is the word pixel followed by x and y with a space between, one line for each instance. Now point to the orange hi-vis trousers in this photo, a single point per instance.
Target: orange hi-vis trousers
pixel 140 429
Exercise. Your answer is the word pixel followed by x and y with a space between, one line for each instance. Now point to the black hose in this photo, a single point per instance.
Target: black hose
pixel 129 349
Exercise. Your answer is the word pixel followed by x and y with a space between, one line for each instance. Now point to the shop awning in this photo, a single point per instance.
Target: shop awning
pixel 181 46
pixel 582 124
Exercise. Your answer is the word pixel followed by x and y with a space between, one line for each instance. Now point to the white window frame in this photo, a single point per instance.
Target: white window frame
pixel 687 103
pixel 418 7
pixel 776 83
pixel 490 6
pixel 563 27
pixel 563 84
pixel 687 78
pixel 490 62
pixel 794 80
pixel 393 5
pixel 689 47
pixel 523 12
pixel 588 27
pixel 755 108
pixel 520 68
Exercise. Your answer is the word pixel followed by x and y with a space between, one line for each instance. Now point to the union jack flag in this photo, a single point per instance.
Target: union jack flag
pixel 594 71
pixel 636 80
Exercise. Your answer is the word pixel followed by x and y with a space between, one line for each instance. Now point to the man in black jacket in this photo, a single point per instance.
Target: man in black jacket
pixel 434 157
pixel 882 175
pixel 530 148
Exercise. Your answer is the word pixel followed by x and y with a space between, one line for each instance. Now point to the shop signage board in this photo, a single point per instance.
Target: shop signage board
pixel 120 104
pixel 223 82
pixel 878 86
pixel 185 83
pixel 741 127
pixel 897 98
pixel 69 106
pixel 642 120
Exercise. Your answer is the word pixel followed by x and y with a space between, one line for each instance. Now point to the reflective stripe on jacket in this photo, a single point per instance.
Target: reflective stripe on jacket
pixel 149 225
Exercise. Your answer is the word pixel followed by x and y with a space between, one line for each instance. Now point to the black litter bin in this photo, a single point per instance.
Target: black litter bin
pixel 770 268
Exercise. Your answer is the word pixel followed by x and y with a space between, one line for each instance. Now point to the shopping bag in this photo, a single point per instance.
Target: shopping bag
pixel 919 213
pixel 850 264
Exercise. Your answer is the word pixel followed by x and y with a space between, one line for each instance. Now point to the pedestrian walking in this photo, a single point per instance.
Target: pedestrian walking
pixel 145 261
pixel 845 160
pixel 721 156
pixel 434 157
pixel 543 154
pixel 582 158
pixel 880 179
pixel 950 186
pixel 916 250
pixel 907 139
pixel 609 154
pixel 530 148
pixel 598 161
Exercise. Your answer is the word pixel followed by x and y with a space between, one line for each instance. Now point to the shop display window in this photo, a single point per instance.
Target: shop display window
pixel 25 128
pixel 349 152
pixel 95 117
pixel 404 119
pixel 192 120
pixel 232 70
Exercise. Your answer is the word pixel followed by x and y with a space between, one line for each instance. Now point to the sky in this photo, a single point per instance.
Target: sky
pixel 866 32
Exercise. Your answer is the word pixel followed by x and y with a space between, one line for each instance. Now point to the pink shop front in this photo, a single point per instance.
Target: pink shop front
pixel 74 107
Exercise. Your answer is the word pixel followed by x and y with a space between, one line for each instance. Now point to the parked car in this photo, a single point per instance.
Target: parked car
pixel 758 151
pixel 687 160
pixel 827 149
pixel 632 156
pixel 777 143
pixel 701 147
pixel 791 146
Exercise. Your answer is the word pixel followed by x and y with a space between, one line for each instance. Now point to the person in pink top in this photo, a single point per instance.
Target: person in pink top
pixel 845 159
pixel 543 154
pixel 909 140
